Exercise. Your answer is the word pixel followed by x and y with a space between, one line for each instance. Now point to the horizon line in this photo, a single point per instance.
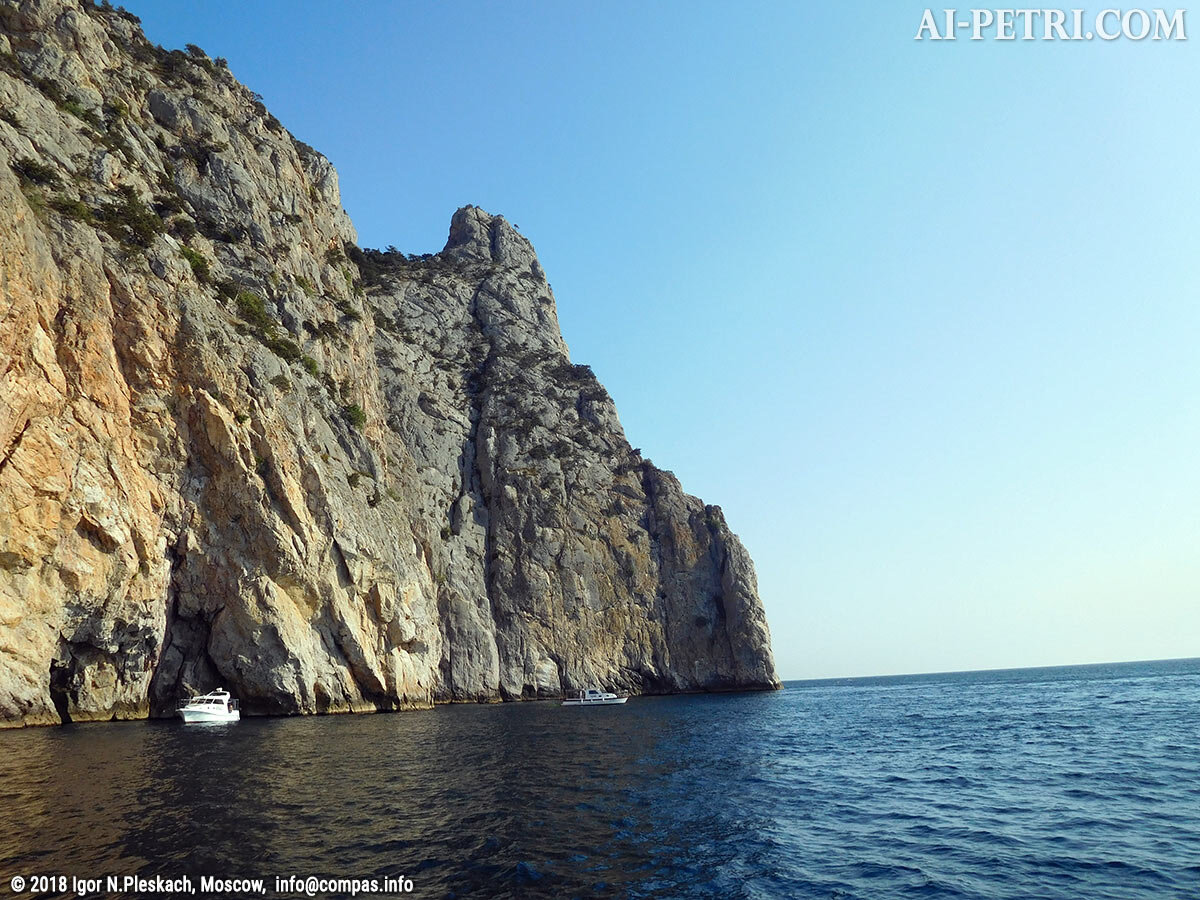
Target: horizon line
pixel 1122 662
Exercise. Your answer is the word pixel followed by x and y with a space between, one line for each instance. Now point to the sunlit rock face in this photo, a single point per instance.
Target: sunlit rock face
pixel 236 450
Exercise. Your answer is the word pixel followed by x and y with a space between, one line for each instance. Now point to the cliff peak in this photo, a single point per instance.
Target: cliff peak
pixel 478 236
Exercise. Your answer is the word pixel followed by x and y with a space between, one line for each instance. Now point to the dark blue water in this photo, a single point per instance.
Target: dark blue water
pixel 1079 782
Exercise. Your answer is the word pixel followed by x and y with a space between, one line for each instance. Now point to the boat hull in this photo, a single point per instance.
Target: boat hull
pixel 208 715
pixel 607 701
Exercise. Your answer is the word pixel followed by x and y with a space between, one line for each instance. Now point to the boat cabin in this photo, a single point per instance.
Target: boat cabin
pixel 215 700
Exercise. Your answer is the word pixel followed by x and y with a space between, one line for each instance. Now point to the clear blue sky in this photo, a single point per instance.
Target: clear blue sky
pixel 922 318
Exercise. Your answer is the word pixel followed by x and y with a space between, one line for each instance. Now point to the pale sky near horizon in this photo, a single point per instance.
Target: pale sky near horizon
pixel 921 317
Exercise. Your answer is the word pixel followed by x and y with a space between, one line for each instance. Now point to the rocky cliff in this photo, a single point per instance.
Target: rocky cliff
pixel 236 449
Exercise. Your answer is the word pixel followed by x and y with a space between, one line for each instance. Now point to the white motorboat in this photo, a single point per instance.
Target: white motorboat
pixel 593 697
pixel 216 706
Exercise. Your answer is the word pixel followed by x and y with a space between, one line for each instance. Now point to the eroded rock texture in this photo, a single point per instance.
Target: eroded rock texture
pixel 237 450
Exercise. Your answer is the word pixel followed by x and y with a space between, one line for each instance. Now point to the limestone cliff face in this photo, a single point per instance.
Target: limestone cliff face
pixel 237 450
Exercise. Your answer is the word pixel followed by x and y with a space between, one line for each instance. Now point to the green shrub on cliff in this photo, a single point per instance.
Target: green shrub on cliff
pixel 31 171
pixel 72 209
pixel 130 221
pixel 253 310
pixel 284 348
pixel 75 108
pixel 198 262
pixel 250 307
pixel 10 64
pixel 347 309
pixel 183 228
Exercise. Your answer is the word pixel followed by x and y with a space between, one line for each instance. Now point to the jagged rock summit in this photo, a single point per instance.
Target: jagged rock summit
pixel 236 449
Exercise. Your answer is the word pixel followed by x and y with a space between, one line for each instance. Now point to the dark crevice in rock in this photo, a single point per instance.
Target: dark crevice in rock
pixel 94 535
pixel 164 682
pixel 60 686
pixel 12 448
pixel 343 567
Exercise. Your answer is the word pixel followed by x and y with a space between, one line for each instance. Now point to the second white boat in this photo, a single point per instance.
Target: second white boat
pixel 594 697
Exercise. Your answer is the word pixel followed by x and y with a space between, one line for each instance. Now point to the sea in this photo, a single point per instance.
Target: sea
pixel 1080 783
